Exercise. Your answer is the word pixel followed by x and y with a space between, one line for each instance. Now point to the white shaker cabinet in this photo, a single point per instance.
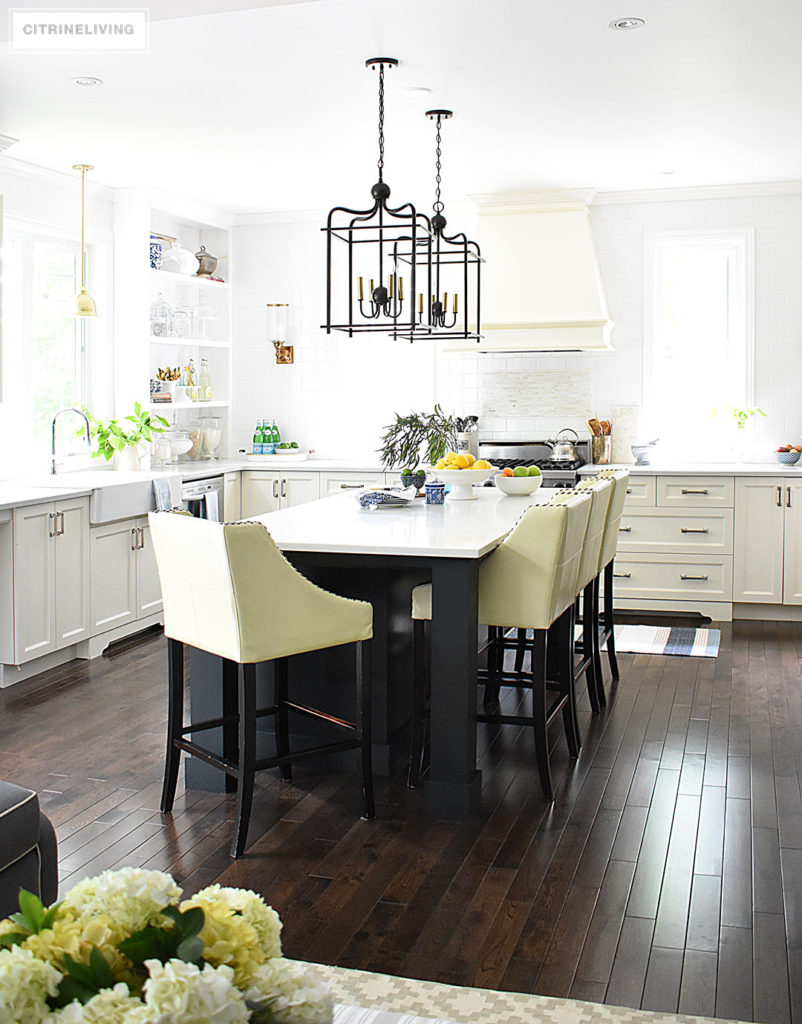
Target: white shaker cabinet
pixel 265 492
pixel 768 540
pixel 51 577
pixel 125 580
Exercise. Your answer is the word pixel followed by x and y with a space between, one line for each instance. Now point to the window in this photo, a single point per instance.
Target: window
pixel 699 341
pixel 44 344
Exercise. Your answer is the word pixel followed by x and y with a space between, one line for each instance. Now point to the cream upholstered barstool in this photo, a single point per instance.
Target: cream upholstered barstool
pixel 528 581
pixel 214 579
pixel 603 627
pixel 601 492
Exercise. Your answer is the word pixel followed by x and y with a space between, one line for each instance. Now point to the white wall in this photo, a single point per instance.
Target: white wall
pixel 341 391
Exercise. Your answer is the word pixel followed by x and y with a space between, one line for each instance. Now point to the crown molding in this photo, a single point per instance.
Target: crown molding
pixel 533 201
pixel 691 192
pixel 61 179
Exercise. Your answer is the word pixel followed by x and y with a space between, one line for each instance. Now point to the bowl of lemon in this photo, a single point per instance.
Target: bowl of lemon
pixel 519 480
pixel 462 471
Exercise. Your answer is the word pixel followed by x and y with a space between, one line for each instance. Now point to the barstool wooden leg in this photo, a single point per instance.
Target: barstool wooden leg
pixel 609 625
pixel 280 666
pixel 519 654
pixel 495 664
pixel 175 721
pixel 418 702
pixel 230 676
pixel 247 757
pixel 539 713
pixel 588 648
pixel 365 710
pixel 597 663
pixel 565 658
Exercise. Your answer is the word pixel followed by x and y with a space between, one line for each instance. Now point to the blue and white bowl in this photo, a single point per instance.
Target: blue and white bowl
pixel 787 458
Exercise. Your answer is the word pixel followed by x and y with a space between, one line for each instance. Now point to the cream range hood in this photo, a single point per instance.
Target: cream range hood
pixel 541 285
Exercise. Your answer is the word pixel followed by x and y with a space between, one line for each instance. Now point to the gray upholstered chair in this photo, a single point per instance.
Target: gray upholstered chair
pixel 28 858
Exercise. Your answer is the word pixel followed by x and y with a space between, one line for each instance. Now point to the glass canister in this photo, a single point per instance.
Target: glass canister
pixel 212 436
pixel 161 317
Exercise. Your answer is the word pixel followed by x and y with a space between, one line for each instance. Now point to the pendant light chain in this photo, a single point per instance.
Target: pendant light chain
pixel 438 206
pixel 381 121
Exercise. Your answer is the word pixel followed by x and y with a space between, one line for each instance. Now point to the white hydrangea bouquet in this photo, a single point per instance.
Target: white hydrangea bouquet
pixel 123 948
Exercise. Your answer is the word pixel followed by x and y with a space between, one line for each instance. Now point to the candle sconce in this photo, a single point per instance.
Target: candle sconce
pixel 277 332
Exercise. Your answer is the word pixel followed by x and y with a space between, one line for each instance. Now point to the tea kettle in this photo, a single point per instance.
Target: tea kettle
pixel 562 449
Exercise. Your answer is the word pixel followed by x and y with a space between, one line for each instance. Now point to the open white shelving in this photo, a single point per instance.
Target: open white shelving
pixel 139 353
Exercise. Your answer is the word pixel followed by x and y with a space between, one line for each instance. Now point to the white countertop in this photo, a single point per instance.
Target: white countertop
pixel 703 469
pixel 456 529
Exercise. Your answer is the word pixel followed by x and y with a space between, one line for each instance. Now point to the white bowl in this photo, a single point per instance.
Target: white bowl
pixel 518 484
pixel 461 480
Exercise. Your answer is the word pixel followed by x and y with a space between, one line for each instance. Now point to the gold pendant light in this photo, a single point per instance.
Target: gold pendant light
pixel 84 303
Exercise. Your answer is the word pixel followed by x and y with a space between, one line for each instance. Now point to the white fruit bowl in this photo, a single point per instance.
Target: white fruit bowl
pixel 517 484
pixel 461 480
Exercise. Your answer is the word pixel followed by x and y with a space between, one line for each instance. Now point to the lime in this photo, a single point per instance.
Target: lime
pixel 520 471
pixel 534 471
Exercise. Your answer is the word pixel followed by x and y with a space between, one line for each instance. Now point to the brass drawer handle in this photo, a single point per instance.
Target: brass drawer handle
pixel 690 490
pixel 684 577
pixel 787 503
pixel 52 530
pixel 351 487
pixel 688 529
pixel 625 529
pixel 134 539
pixel 779 497
pixel 622 575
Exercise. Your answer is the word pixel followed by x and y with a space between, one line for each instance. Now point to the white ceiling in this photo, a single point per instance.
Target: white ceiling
pixel 270 107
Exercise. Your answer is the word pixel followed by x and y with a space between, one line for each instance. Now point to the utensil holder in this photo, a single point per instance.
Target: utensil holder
pixel 468 441
pixel 601 450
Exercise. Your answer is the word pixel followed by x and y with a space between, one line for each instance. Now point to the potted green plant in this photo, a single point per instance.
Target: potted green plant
pixel 130 444
pixel 427 434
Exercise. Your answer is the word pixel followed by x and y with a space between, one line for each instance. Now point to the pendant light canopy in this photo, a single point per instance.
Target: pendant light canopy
pixel 84 303
pixel 369 251
pixel 451 306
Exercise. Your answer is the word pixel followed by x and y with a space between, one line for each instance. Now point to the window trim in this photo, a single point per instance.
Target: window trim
pixel 744 240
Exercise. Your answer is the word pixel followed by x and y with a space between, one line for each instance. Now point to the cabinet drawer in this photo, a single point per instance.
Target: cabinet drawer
pixel 335 483
pixel 675 578
pixel 696 491
pixel 641 492
pixel 693 531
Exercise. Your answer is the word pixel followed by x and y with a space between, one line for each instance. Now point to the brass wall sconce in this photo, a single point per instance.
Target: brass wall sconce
pixel 277 332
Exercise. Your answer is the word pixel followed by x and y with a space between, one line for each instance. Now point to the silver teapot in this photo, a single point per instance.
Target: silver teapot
pixel 563 450
pixel 207 264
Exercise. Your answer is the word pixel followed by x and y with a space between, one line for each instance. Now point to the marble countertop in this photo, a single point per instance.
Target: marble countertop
pixel 455 529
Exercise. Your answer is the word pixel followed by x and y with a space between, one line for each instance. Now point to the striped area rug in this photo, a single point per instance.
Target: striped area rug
pixel 695 643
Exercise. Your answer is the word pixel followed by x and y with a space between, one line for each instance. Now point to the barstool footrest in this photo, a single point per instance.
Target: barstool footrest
pixel 495 719
pixel 216 723
pixel 303 709
pixel 324 748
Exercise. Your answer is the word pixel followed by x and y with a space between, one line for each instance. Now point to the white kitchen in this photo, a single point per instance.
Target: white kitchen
pixel 222 293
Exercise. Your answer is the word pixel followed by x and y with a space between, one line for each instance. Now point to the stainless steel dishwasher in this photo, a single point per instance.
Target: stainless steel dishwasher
pixel 204 498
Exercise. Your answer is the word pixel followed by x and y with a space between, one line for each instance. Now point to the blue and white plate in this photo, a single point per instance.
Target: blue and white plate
pixel 384 499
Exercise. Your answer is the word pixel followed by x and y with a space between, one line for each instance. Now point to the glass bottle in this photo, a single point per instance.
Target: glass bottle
pixel 257 439
pixel 275 435
pixel 204 382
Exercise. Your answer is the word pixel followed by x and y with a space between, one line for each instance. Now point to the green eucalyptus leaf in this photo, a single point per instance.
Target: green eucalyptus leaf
pixel 70 990
pixel 50 916
pixel 12 939
pixel 190 949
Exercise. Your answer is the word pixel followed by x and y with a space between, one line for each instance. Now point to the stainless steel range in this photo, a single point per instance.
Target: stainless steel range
pixel 556 473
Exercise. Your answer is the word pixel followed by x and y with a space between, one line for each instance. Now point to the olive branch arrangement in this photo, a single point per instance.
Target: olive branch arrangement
pixel 403 440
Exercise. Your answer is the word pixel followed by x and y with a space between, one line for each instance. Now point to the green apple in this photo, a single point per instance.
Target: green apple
pixel 534 471
pixel 520 471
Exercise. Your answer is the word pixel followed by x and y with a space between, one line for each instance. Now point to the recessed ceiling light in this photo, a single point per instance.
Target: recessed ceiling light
pixel 87 81
pixel 418 90
pixel 626 24
pixel 668 172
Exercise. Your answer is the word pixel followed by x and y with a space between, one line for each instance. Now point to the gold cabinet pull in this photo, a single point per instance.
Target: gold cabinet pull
pixel 690 529
pixel 779 497
pixel 691 490
pixel 622 575
pixel 684 576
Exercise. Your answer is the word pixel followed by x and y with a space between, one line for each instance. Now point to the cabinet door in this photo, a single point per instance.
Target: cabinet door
pixel 297 488
pixel 72 571
pixel 758 561
pixel 260 493
pixel 792 560
pixel 113 560
pixel 34 581
pixel 231 497
pixel 148 588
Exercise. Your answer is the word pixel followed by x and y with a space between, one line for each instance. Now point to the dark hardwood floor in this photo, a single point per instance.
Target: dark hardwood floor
pixel 667 874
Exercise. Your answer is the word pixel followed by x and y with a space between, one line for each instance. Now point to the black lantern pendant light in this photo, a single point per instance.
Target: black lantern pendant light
pixel 364 276
pixel 454 268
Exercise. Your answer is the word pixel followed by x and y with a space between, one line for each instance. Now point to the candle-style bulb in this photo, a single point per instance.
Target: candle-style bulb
pixel 445 301
pixel 361 295
pixel 420 303
pixel 371 288
pixel 401 288
pixel 455 302
pixel 391 282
